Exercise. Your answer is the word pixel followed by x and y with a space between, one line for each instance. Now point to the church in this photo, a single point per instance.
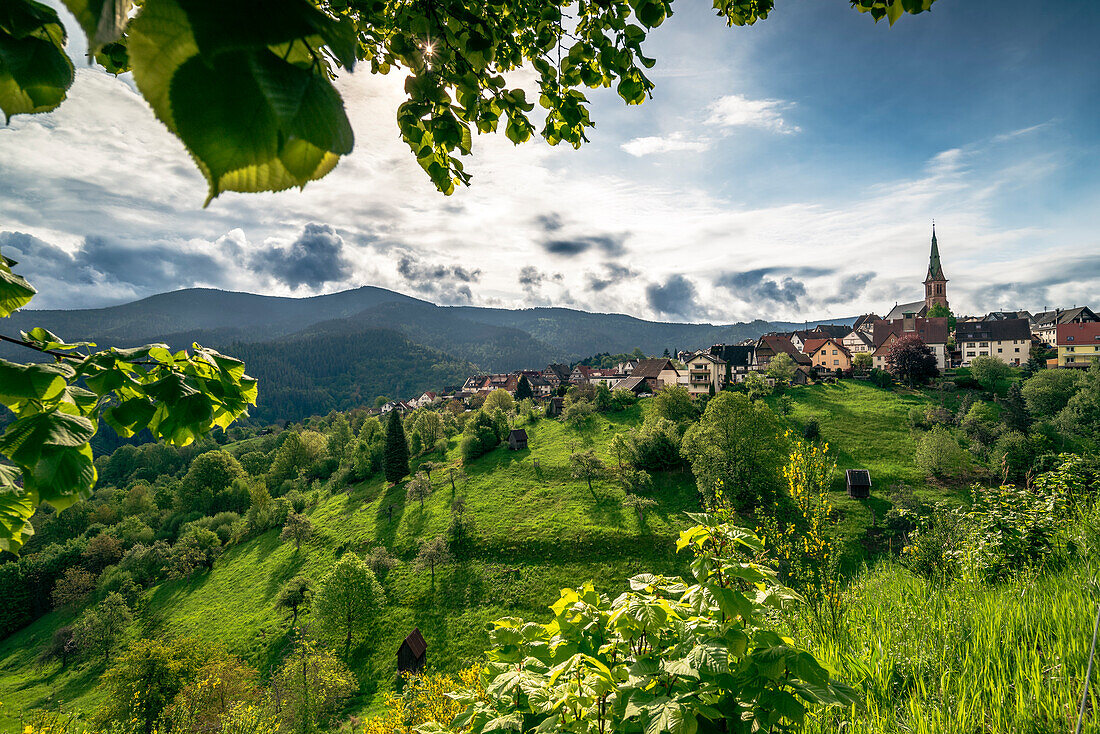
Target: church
pixel 935 288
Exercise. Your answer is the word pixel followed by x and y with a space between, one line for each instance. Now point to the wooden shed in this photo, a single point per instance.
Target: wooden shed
pixel 413 653
pixel 517 439
pixel 557 404
pixel 859 483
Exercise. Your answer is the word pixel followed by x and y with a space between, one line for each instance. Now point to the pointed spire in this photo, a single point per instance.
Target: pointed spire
pixel 935 269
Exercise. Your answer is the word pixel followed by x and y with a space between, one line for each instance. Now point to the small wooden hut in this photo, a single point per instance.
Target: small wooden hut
pixel 413 653
pixel 557 404
pixel 859 483
pixel 517 439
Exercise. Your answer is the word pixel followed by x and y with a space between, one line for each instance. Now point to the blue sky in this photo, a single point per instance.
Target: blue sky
pixel 787 170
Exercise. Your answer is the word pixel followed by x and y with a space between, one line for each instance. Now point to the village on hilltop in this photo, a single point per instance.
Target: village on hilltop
pixel 1062 337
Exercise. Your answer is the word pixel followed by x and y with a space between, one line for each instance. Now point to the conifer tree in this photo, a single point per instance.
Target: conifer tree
pixel 523 389
pixel 395 458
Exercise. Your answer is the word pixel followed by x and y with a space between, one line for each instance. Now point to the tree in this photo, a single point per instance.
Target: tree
pixel 73 588
pixel 297 528
pixel 433 553
pixel 208 481
pixel 1015 413
pixel 63 644
pixel 100 627
pixel 737 446
pixel 380 561
pixel 145 679
pixel 309 688
pixel 395 457
pixel 455 474
pixel 579 415
pixel 1049 391
pixel 295 596
pixel 674 403
pixel 103 550
pixel 989 371
pixel 634 480
pixel 587 466
pixel 523 389
pixel 220 691
pixel 756 386
pixel 195 551
pixel 911 361
pixel 1081 416
pixel 347 598
pixel 498 399
pixel 418 489
pixel 939 310
pixel 639 504
pixel 781 368
pixel 862 362
pixel 938 453
pixel 622 448
pixel 340 440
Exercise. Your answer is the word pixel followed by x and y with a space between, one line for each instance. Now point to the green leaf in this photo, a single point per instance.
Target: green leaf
pixel 103 21
pixel 35 71
pixel 16 507
pixel 27 438
pixel 30 381
pixel 670 717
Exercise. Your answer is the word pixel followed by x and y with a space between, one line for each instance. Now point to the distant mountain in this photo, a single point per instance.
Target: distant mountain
pixel 343 349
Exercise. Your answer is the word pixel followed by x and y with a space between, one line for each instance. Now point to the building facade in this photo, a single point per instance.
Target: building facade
pixel 1008 340
pixel 1078 345
pixel 706 373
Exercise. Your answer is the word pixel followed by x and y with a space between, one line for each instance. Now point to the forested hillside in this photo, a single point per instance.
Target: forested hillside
pixel 959 578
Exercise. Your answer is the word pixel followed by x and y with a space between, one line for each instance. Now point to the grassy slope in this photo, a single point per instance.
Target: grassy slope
pixel 538 531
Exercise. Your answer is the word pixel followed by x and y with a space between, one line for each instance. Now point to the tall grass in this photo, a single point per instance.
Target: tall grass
pixel 964 658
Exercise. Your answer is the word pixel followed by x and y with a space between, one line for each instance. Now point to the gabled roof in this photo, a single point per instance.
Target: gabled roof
pixel 827 330
pixel 1005 315
pixel 737 355
pixel 518 433
pixel 858 477
pixel 974 331
pixel 561 370
pixel 416 643
pixel 652 367
pixel 781 343
pixel 814 345
pixel 899 311
pixel 1065 316
pixel 861 335
pixel 930 330
pixel 631 383
pixel 865 319
pixel 705 355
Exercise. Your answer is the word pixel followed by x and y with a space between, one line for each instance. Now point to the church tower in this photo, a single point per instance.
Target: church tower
pixel 935 285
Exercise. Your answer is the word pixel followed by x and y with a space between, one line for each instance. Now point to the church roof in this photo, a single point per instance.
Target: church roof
pixel 935 269
pixel 916 307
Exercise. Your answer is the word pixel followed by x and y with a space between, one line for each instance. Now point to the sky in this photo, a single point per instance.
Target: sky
pixel 791 170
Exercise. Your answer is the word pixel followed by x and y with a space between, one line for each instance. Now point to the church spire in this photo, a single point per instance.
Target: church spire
pixel 935 269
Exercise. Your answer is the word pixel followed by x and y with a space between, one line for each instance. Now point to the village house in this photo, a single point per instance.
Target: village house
pixel 932 331
pixel 1078 344
pixel 769 345
pixel 1008 340
pixel 1045 323
pixel 829 354
pixel 650 375
pixel 580 374
pixel 738 359
pixel 556 374
pixel 706 373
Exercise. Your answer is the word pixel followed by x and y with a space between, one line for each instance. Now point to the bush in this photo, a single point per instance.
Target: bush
pixel 938 453
pixel 656 446
pixel 812 430
pixel 195 551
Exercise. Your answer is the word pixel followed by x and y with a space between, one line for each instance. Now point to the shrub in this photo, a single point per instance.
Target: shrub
pixel 195 551
pixel 938 453
pixel 73 588
pixel 812 430
pixel 656 447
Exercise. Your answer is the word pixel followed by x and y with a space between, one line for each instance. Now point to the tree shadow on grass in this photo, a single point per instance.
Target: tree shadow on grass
pixel 63 688
pixel 387 520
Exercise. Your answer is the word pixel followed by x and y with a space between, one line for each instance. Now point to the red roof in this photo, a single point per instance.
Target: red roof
pixel 1074 334
pixel 812 345
pixel 930 330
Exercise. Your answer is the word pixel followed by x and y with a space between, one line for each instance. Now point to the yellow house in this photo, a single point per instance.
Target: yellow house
pixel 705 372
pixel 829 354
pixel 1078 344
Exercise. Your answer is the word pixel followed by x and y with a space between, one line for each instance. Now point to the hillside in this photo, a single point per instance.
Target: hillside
pixel 537 530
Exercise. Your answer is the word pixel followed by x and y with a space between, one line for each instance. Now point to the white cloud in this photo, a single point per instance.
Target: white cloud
pixel 736 110
pixel 654 144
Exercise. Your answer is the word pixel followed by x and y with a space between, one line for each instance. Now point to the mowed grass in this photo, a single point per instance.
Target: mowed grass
pixel 536 528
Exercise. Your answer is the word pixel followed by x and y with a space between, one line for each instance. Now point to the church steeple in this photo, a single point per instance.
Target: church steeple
pixel 935 284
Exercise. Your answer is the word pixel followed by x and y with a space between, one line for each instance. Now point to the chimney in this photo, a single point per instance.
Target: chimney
pixel 909 321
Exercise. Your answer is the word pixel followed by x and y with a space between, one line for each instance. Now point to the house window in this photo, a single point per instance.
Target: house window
pixel 1017 350
pixel 1069 338
pixel 999 350
pixel 836 361
pixel 970 354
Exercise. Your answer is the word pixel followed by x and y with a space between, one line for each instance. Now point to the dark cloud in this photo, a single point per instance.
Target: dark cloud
pixel 676 297
pixel 39 258
pixel 413 270
pixel 771 285
pixel 613 274
pixel 445 284
pixel 609 244
pixel 549 222
pixel 314 259
pixel 531 277
pixel 851 286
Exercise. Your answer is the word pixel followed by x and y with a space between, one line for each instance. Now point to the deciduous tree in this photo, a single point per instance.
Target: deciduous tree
pixel 433 553
pixel 347 599
pixel 297 528
pixel 911 361
pixel 295 597
pixel 587 466
pixel 989 370
pixel 100 627
pixel 418 489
